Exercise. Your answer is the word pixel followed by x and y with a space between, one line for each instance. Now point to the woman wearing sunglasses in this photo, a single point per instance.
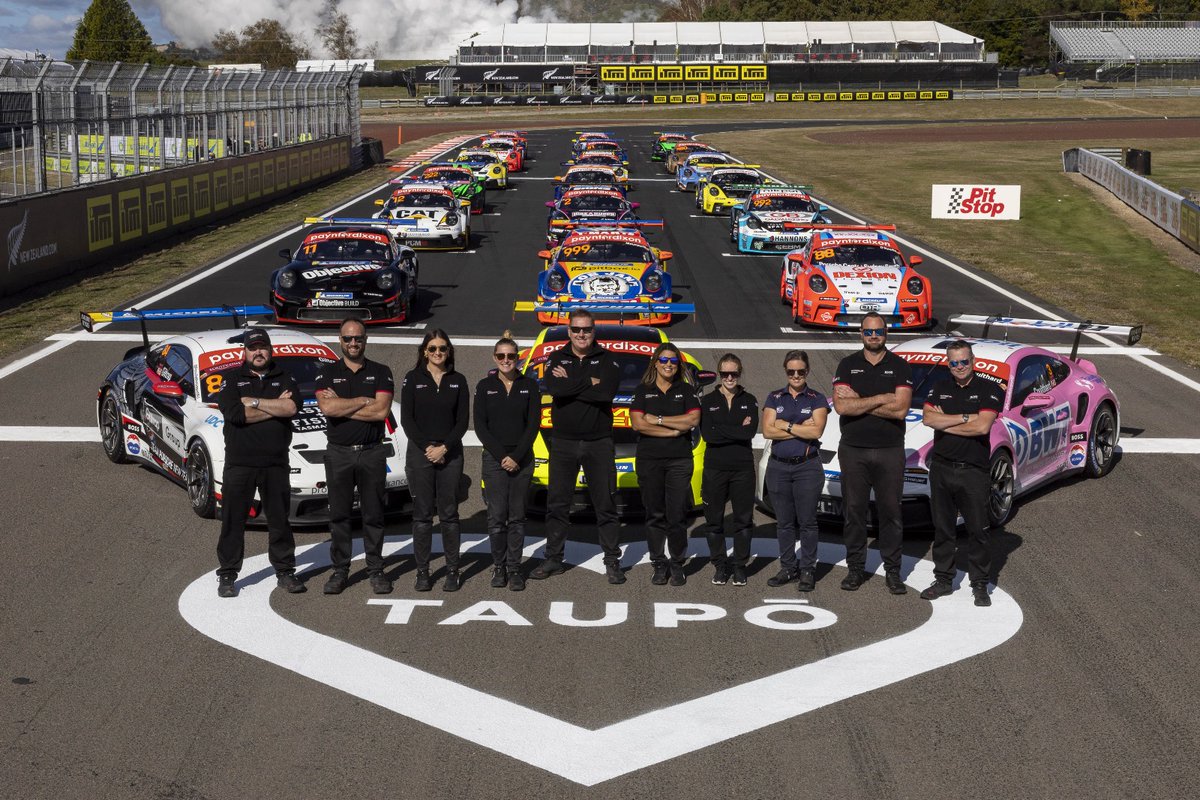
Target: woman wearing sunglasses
pixel 793 419
pixel 728 422
pixel 664 412
pixel 434 413
pixel 508 407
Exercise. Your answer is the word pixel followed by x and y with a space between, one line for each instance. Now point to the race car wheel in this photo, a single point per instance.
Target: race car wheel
pixel 1102 443
pixel 466 239
pixel 112 434
pixel 201 492
pixel 1003 487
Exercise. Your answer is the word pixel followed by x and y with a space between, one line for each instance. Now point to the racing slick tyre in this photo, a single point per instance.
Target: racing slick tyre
pixel 200 489
pixel 1102 443
pixel 466 240
pixel 1002 487
pixel 112 434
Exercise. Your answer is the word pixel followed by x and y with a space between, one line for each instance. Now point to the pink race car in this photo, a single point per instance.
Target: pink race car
pixel 1060 418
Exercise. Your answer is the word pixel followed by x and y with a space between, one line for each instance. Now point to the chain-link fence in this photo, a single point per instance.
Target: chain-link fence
pixel 66 123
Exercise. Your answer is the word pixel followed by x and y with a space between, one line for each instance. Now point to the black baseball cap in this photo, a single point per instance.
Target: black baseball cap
pixel 256 337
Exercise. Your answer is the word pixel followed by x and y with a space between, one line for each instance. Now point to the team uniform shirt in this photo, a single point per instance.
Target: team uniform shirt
pixel 372 378
pixel 582 410
pixel 891 373
pixel 256 444
pixel 728 427
pixel 978 395
pixel 796 409
pixel 506 421
pixel 433 413
pixel 679 399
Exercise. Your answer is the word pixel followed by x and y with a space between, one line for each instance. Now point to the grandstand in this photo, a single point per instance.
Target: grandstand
pixel 1115 42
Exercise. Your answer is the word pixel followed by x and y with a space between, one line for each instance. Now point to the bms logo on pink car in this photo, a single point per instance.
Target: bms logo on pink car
pixel 1045 433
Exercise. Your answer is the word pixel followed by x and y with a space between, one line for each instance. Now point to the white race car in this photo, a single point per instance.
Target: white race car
pixel 443 221
pixel 158 407
pixel 762 222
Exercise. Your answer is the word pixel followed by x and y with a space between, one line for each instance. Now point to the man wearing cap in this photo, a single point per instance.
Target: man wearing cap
pixel 355 395
pixel 257 401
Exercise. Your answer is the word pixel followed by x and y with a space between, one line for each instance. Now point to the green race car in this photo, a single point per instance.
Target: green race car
pixel 458 178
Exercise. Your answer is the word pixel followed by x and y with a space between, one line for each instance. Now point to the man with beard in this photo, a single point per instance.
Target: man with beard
pixel 355 395
pixel 258 403
pixel 872 390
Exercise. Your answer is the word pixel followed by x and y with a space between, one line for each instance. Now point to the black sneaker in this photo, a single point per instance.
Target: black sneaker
pixel 499 577
pixel 546 569
pixel 677 576
pixel 516 581
pixel 423 583
pixel 782 578
pixel 380 583
pixel 806 581
pixel 290 583
pixel 854 579
pixel 336 582
pixel 226 587
pixel 891 579
pixel 660 575
pixel 739 575
pixel 982 598
pixel 453 581
pixel 614 573
pixel 721 576
pixel 938 588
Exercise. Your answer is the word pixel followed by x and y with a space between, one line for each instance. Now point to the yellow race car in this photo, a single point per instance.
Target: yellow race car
pixel 725 187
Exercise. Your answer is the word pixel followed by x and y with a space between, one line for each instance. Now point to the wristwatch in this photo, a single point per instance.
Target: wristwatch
pixel 660 419
pixel 789 427
pixel 966 417
pixel 255 403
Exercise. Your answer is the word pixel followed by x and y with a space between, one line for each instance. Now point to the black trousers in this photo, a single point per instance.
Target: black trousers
pixel 346 469
pixel 666 486
pixel 719 486
pixel 794 490
pixel 237 493
pixel 434 489
pixel 597 458
pixel 504 493
pixel 958 490
pixel 864 469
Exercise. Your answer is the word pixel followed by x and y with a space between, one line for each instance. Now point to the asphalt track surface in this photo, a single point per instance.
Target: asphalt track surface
pixel 126 677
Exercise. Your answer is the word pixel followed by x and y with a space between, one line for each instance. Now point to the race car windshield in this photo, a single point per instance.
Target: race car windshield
pixel 590 176
pixel 344 250
pixel 304 369
pixel 599 158
pixel 447 175
pixel 865 255
pixel 606 252
pixel 423 200
pixel 783 203
pixel 730 178
pixel 593 202
pixel 481 158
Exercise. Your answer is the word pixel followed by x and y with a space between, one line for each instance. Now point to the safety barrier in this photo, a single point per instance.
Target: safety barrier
pixel 689 98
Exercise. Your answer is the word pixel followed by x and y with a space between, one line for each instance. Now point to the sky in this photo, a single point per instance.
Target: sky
pixel 403 28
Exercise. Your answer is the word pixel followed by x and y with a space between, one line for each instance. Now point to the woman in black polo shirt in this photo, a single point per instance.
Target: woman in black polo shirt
pixel 665 409
pixel 793 419
pixel 434 413
pixel 508 407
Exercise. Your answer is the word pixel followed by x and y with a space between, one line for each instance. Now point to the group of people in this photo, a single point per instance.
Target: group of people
pixel 872 391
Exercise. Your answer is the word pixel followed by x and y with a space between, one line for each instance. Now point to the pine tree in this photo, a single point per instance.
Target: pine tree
pixel 111 31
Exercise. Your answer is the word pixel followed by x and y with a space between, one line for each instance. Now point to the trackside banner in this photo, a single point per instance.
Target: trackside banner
pixel 976 201
pixel 1157 204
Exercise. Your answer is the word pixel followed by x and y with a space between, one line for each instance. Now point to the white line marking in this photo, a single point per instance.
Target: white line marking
pixel 9 369
pixel 749 255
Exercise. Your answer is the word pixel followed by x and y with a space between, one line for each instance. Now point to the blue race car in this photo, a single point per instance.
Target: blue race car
pixel 765 221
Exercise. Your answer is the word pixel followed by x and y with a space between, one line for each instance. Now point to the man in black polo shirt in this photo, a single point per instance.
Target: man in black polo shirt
pixel 872 390
pixel 355 395
pixel 258 402
pixel 961 411
pixel 582 378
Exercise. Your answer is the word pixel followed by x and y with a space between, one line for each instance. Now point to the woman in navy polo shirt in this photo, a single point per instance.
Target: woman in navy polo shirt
pixel 664 412
pixel 793 419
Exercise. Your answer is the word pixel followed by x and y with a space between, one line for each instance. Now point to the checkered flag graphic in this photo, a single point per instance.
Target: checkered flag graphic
pixel 956 195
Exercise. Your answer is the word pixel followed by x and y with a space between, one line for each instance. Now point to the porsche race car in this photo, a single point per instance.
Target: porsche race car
pixel 591 175
pixel 489 167
pixel 665 142
pixel 605 146
pixel 759 223
pixel 513 156
pixel 441 220
pixel 602 160
pixel 683 149
pixel 697 167
pixel 586 204
pixel 458 178
pixel 725 187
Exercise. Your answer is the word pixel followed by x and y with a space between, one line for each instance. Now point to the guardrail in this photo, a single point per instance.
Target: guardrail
pixel 1067 92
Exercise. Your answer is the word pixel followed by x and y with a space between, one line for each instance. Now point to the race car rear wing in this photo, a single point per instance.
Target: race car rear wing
pixel 601 307
pixel 607 223
pixel 823 226
pixel 89 319
pixel 1132 333
pixel 374 221
pixel 796 187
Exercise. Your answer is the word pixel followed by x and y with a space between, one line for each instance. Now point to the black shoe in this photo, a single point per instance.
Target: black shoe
pixel 721 576
pixel 739 575
pixel 453 581
pixel 336 582
pixel 516 581
pixel 660 575
pixel 380 583
pixel 807 580
pixel 938 588
pixel 782 578
pixel 677 576
pixel 546 569
pixel 290 583
pixel 499 577
pixel 423 583
pixel 226 587
pixel 982 598
pixel 614 573
pixel 854 579
pixel 892 580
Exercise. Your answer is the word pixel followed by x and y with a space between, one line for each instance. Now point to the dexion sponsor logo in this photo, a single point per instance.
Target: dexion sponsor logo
pixel 863 274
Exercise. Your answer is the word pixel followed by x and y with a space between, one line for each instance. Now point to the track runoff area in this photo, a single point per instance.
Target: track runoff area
pixel 582 689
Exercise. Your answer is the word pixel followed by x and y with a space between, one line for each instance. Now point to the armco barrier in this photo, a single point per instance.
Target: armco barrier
pixel 535 100
pixel 54 234
pixel 1160 206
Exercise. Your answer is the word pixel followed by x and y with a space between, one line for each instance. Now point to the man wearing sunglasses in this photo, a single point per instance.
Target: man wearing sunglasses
pixel 961 411
pixel 872 390
pixel 582 379
pixel 355 395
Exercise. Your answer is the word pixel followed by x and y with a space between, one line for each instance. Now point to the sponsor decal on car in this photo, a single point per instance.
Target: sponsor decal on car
pixel 133 444
pixel 1077 455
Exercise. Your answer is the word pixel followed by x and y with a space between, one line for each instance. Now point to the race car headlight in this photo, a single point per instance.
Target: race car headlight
pixel 818 283
pixel 451 218
pixel 753 224
pixel 653 282
pixel 556 282
pixel 287 279
pixel 386 280
pixel 713 191
pixel 915 285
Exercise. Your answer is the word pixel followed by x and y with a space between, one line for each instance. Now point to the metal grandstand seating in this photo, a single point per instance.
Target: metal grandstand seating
pixel 1123 42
